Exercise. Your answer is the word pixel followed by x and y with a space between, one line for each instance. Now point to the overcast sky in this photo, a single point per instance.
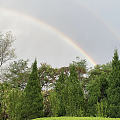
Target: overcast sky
pixel 93 24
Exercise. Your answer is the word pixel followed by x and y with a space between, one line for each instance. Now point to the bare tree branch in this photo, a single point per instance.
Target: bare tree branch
pixel 6 50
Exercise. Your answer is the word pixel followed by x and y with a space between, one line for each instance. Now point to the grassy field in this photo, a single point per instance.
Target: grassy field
pixel 76 118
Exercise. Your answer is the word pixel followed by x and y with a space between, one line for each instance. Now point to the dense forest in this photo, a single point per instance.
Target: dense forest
pixel 75 90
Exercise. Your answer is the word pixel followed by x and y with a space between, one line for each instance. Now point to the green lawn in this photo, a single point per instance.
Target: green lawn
pixel 76 118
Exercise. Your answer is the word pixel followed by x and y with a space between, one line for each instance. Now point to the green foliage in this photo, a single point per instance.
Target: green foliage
pixel 46 102
pixel 77 118
pixel 54 103
pixel 102 109
pixel 47 75
pixel 67 99
pixel 74 98
pixel 81 67
pixel 59 89
pixel 14 109
pixel 57 97
pixel 17 73
pixel 114 87
pixel 33 101
pixel 10 101
pixel 4 93
pixel 67 91
pixel 97 87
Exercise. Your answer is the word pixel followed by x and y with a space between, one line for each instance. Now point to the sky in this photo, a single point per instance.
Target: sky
pixel 92 24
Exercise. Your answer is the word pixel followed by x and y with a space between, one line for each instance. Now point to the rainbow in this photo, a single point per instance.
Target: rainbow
pixel 49 27
pixel 100 19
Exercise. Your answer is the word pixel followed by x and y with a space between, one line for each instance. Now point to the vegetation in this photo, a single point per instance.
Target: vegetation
pixel 77 118
pixel 32 106
pixel 6 50
pixel 76 91
pixel 114 87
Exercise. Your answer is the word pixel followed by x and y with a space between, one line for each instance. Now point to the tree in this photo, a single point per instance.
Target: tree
pixel 80 67
pixel 74 97
pixel 6 50
pixel 57 96
pixel 97 95
pixel 59 89
pixel 113 92
pixel 47 76
pixel 33 101
pixel 54 103
pixel 4 92
pixel 17 73
pixel 97 90
pixel 14 104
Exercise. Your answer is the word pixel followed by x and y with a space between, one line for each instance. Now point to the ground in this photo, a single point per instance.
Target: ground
pixel 76 118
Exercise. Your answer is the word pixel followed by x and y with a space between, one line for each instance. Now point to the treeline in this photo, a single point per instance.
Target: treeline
pixel 76 90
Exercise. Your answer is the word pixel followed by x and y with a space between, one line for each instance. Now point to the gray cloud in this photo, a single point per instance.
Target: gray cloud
pixel 73 19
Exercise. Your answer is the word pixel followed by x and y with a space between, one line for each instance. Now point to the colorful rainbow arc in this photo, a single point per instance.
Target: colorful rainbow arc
pixel 49 27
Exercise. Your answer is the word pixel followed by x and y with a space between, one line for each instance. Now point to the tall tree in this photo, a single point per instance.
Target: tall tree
pixel 57 96
pixel 97 95
pixel 59 89
pixel 74 100
pixel 97 90
pixel 33 101
pixel 114 87
pixel 6 50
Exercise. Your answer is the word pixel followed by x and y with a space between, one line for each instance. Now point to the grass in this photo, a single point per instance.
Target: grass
pixel 76 118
